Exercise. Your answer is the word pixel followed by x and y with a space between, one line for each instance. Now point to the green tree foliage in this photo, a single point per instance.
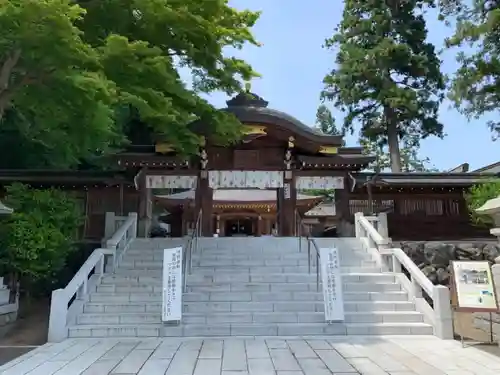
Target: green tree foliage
pixel 327 194
pixel 411 161
pixel 325 122
pixel 68 67
pixel 37 238
pixel 387 76
pixel 475 87
pixel 477 196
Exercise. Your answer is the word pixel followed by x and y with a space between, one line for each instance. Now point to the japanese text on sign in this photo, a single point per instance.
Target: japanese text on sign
pixel 332 284
pixel 172 284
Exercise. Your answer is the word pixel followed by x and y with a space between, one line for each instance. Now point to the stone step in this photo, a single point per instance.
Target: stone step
pixel 250 317
pixel 290 287
pixel 120 279
pixel 247 252
pixel 243 256
pixel 247 287
pixel 269 329
pixel 274 262
pixel 267 266
pixel 245 261
pixel 249 248
pixel 249 297
pixel 210 307
pixel 290 296
pixel 231 271
pixel 214 242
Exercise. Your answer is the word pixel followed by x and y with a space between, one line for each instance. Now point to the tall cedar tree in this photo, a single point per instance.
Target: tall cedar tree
pixel 325 122
pixel 411 160
pixel 387 77
pixel 475 87
pixel 68 66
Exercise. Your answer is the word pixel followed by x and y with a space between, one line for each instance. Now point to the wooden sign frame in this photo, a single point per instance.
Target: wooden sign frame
pixel 455 290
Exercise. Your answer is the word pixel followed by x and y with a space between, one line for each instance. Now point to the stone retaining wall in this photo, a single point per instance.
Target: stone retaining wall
pixel 434 258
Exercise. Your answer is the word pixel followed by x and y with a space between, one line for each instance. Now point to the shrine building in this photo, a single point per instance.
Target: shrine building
pixel 253 186
pixel 259 185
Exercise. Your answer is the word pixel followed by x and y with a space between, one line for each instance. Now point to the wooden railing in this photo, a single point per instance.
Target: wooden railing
pixel 439 314
pixel 66 303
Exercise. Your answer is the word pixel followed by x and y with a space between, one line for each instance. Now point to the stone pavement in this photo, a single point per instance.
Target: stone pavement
pixel 347 355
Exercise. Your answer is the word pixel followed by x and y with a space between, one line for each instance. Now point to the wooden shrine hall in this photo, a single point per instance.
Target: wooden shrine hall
pixel 277 155
pixel 236 212
pixel 257 185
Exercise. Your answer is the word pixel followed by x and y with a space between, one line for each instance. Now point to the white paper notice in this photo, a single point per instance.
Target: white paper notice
pixel 172 284
pixel 332 285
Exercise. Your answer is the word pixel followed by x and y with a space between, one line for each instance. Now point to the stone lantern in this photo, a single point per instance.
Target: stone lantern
pixel 4 210
pixel 492 208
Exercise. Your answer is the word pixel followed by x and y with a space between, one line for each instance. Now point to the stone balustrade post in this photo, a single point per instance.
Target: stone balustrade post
pixel 383 227
pixel 58 317
pixel 357 227
pixel 443 318
pixel 495 273
pixel 109 225
pixel 134 225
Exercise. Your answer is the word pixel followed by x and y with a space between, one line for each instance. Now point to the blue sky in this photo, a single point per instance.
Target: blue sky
pixel 293 63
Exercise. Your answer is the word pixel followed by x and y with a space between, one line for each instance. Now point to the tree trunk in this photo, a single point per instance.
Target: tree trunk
pixel 393 140
pixel 370 197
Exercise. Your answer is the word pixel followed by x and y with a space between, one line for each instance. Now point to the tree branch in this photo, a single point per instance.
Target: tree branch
pixel 7 67
pixel 7 93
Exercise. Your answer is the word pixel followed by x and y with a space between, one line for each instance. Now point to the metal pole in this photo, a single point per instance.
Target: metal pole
pixel 308 255
pixel 317 272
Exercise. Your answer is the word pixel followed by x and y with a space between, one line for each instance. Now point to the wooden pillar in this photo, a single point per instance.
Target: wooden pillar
pixel 217 225
pixel 145 204
pixel 342 208
pixel 222 227
pixel 287 199
pixel 185 218
pixel 204 202
pixel 259 228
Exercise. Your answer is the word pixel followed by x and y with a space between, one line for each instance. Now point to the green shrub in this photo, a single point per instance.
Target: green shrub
pixel 38 237
pixel 477 196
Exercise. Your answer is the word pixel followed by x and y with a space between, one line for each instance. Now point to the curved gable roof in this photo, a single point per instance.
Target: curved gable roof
pixel 251 108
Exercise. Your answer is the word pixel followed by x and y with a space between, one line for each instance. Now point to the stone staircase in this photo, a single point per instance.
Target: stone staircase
pixel 247 286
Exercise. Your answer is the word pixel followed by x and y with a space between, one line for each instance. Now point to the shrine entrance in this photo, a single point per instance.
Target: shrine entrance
pixel 276 154
pixel 240 227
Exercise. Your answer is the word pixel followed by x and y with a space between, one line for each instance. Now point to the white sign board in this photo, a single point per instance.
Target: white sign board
pixel 172 284
pixel 474 286
pixel 332 284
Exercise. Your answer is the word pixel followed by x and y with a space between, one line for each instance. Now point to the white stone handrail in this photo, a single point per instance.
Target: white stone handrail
pixel 66 303
pixel 394 259
pixel 120 240
pixel 399 258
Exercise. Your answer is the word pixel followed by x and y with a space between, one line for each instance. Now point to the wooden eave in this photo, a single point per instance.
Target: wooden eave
pixel 271 118
pixel 62 177
pixel 428 179
pixel 184 202
pixel 339 161
pixel 151 160
pixel 486 168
